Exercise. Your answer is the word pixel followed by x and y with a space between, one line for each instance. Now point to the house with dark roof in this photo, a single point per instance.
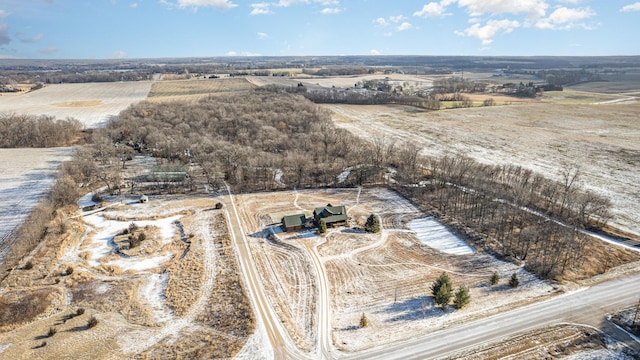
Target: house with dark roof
pixel 332 215
pixel 294 222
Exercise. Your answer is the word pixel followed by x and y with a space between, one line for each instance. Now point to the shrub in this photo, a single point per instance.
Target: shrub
pixel 92 322
pixel 373 224
pixel 364 322
pixel 52 331
pixel 495 278
pixel 69 271
pixel 142 237
pixel 514 282
pixel 28 265
pixel 134 241
pixel 80 311
pixel 219 205
pixel 133 227
pixel 462 297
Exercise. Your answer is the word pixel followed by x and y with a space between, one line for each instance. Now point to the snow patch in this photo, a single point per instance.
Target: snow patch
pixel 4 347
pixel 152 292
pixel 140 264
pixel 432 233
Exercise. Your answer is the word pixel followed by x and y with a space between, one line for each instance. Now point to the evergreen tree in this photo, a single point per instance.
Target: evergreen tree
pixel 514 282
pixel 495 278
pixel 442 289
pixel 322 227
pixel 462 297
pixel 364 322
pixel 373 224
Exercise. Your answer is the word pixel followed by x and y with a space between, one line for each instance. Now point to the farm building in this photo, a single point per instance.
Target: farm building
pixel 332 215
pixel 294 222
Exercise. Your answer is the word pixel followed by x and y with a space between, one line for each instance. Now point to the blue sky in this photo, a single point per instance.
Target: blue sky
pixel 100 29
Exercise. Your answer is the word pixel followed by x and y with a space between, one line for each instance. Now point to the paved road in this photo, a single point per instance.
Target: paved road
pixel 589 306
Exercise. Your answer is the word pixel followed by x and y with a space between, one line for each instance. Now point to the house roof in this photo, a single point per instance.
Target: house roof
pixel 294 220
pixel 331 214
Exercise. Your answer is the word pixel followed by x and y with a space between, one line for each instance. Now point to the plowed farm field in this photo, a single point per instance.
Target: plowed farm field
pixel 196 89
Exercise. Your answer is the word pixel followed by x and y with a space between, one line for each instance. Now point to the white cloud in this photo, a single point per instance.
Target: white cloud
pixel 27 40
pixel 262 35
pixel 328 11
pixel 374 52
pixel 119 55
pixel 492 28
pixel 565 18
pixel 396 19
pixel 133 5
pixel 232 53
pixel 382 21
pixel 533 8
pixel 404 26
pixel 195 4
pixel 260 9
pixel 286 3
pixel 432 9
pixel 631 7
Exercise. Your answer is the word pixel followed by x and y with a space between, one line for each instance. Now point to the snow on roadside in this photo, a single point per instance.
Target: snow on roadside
pixel 432 233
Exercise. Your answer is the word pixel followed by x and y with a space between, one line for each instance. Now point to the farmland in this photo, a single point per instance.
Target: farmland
pixel 181 293
pixel 91 103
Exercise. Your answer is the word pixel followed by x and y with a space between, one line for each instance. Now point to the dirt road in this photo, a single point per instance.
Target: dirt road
pixel 283 347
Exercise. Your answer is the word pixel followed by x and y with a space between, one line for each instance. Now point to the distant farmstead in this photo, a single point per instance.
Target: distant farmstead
pixel 332 215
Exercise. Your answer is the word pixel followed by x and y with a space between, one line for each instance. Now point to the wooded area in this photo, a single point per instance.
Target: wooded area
pixel 37 131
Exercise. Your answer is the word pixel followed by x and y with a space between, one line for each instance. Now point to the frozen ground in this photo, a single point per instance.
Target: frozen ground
pixel 25 176
pixel 91 103
pixel 603 141
pixel 432 233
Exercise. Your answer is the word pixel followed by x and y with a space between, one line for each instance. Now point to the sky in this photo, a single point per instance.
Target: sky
pixel 103 29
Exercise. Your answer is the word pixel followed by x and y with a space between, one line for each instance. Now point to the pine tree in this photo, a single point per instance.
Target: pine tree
pixel 364 322
pixel 462 297
pixel 322 227
pixel 442 289
pixel 373 224
pixel 514 282
pixel 495 278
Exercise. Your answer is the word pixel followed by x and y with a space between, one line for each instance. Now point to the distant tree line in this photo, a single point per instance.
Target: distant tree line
pixel 37 131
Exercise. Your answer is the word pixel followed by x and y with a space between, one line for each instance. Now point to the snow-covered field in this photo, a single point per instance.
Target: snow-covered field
pixel 603 141
pixel 91 103
pixel 432 233
pixel 25 176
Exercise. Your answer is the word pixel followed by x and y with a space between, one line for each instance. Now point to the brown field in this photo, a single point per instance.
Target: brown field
pixel 192 90
pixel 183 282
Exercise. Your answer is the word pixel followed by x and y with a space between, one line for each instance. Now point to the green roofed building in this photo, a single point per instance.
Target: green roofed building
pixel 332 215
pixel 294 222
